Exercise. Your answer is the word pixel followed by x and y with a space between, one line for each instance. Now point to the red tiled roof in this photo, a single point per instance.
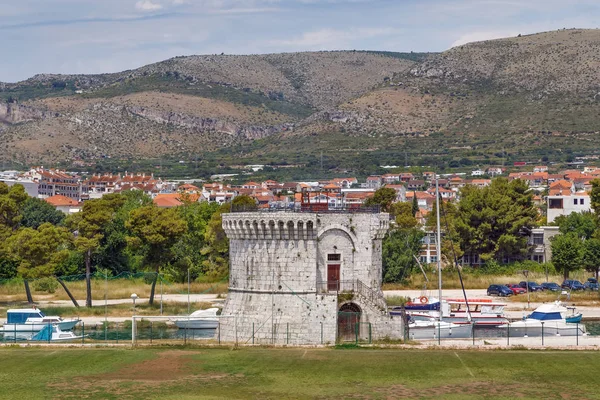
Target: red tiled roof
pixel 60 200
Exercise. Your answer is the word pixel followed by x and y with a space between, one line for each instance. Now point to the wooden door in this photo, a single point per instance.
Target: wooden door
pixel 333 277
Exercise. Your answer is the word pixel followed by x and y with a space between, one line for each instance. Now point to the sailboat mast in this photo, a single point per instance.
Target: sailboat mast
pixel 438 241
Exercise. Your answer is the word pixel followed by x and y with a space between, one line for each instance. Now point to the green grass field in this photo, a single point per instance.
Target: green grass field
pixel 258 373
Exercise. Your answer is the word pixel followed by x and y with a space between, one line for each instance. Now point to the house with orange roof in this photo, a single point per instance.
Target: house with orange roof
pixel 445 194
pixel 390 178
pixel 406 176
pixel 63 203
pixel 495 171
pixel 345 183
pixel 101 184
pixel 188 188
pixel 456 182
pixel 54 181
pixel 424 199
pixel 168 200
pixel 564 200
pixel 355 199
pixel 536 179
pixel 400 191
pixel 374 182
pixel 332 188
pixel 480 183
pixel 428 175
pixel 251 185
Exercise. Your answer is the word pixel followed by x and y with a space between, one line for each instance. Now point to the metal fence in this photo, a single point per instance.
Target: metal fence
pixel 228 330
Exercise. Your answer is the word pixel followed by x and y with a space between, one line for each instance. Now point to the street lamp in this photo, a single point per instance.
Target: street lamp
pixel 133 298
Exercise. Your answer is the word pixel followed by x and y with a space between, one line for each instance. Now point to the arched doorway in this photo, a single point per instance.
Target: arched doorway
pixel 348 322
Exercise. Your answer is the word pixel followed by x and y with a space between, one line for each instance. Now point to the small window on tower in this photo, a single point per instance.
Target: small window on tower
pixel 334 257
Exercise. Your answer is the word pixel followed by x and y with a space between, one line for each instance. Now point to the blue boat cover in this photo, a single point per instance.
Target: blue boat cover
pixel 422 307
pixel 542 316
pixel 45 335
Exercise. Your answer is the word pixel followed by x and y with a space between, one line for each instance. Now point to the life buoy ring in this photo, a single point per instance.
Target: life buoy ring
pixel 423 299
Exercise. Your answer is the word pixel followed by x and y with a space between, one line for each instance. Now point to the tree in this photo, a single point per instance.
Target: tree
pixel 595 197
pixel 567 252
pixel 402 212
pixel 112 254
pixel 591 255
pixel 415 204
pixel 383 198
pixel 217 245
pixel 35 212
pixel 88 226
pixel 490 221
pixel 188 252
pixel 450 237
pixel 153 232
pixel 11 202
pixel 582 224
pixel 400 247
pixel 243 203
pixel 39 252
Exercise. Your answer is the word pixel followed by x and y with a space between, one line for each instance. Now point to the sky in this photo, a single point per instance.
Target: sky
pixel 98 36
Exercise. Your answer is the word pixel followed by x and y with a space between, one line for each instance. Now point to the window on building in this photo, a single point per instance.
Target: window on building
pixel 537 258
pixel 538 238
pixel 555 203
pixel 575 201
pixel 334 257
pixel 581 201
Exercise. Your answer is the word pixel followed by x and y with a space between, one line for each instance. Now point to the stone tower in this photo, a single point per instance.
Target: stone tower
pixel 291 273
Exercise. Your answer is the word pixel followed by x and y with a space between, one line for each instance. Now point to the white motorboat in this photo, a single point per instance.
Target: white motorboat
pixel 483 312
pixel 547 319
pixel 201 319
pixel 53 333
pixel 25 322
pixel 434 330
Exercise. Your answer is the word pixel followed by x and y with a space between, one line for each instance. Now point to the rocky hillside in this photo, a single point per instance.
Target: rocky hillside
pixel 535 95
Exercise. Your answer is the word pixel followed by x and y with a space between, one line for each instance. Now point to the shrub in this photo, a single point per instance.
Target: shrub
pixel 48 285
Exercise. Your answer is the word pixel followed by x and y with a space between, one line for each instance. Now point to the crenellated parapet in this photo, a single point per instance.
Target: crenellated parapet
pixel 270 226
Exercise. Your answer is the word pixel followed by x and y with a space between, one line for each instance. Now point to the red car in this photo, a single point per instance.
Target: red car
pixel 516 289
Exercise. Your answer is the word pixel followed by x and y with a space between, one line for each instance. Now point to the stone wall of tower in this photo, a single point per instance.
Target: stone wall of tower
pixel 278 263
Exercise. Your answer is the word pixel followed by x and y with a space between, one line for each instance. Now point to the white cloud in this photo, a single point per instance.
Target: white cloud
pixel 482 35
pixel 147 5
pixel 333 38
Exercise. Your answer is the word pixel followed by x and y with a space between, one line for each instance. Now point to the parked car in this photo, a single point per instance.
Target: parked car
pixel 499 290
pixel 516 289
pixel 572 284
pixel 533 287
pixel 592 280
pixel 591 285
pixel 551 286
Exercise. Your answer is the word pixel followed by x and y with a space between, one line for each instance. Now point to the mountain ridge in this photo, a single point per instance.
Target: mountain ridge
pixel 526 93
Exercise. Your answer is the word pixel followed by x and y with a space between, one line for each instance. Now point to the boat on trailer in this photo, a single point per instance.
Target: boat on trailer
pixel 201 319
pixel 550 320
pixel 24 322
pixel 434 329
pixel 483 312
pixel 53 333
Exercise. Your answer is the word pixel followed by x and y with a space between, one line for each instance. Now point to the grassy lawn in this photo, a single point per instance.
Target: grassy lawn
pixel 296 373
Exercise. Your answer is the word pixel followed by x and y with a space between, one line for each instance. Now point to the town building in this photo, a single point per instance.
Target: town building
pixel 563 200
